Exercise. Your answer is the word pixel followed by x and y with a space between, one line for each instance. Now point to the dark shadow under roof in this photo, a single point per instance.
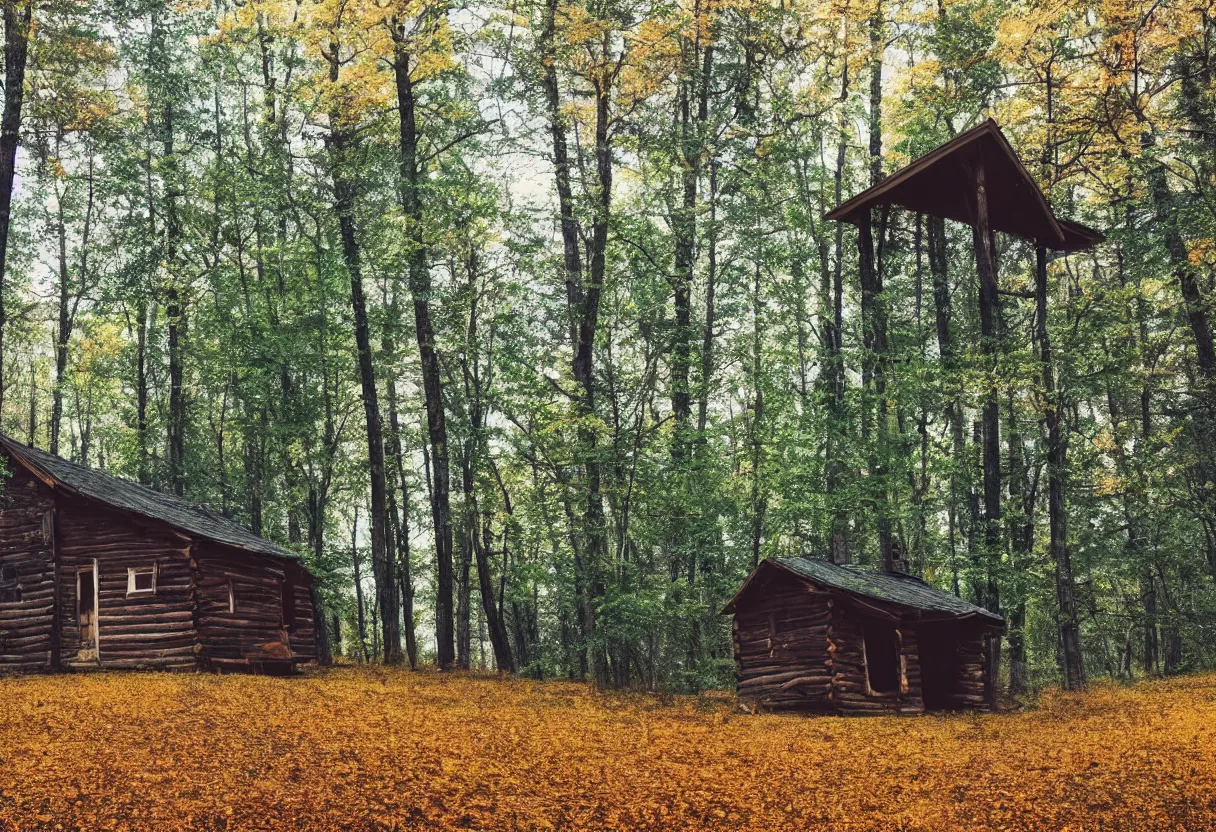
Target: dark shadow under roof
pixel 940 184
pixel 128 496
pixel 899 590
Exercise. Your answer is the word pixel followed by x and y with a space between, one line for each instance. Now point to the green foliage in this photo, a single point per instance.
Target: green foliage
pixel 728 130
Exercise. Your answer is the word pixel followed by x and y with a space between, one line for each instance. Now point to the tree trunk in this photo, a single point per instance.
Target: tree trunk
pixel 990 347
pixel 141 391
pixel 360 606
pixel 342 148
pixel 874 324
pixel 497 627
pixel 175 312
pixel 432 382
pixel 1057 468
pixel 583 301
pixel 1022 495
pixel 873 309
pixel 831 325
pixel 62 330
pixel 17 19
pixel 759 496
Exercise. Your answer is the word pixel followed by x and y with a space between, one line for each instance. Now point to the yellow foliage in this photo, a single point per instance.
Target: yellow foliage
pixel 356 749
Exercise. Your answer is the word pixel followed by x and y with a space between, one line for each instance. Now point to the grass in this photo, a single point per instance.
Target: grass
pixel 362 749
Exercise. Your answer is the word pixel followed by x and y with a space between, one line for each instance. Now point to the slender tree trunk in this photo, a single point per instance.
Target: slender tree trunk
pixel 759 496
pixel 175 315
pixel 17 19
pixel 402 531
pixel 583 301
pixel 432 382
pixel 831 322
pixel 175 312
pixel 1022 494
pixel 141 390
pixel 62 330
pixel 494 622
pixel 873 306
pixel 1057 470
pixel 399 516
pixel 875 340
pixel 711 311
pixel 939 275
pixel 342 149
pixel 464 636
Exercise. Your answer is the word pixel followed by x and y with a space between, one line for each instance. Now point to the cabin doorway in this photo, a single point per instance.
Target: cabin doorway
pixel 881 656
pixel 938 665
pixel 86 610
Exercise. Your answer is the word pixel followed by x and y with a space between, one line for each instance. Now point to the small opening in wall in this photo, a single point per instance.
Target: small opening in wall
pixel 141 580
pixel 10 586
pixel 882 656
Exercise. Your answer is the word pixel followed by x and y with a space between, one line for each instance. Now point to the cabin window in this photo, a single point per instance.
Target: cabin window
pixel 141 580
pixel 882 656
pixel 231 596
pixel 10 586
pixel 289 605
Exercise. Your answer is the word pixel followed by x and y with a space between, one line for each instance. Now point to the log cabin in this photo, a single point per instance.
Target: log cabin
pixel 97 572
pixel 820 637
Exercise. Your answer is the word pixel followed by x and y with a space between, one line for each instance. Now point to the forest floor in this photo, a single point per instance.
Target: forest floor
pixel 356 749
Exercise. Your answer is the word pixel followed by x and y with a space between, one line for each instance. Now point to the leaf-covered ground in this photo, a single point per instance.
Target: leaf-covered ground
pixel 369 749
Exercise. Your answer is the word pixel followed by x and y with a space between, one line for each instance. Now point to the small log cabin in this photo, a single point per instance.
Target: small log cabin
pixel 97 572
pixel 820 637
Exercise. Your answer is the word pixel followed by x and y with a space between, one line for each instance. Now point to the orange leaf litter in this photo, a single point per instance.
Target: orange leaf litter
pixel 364 749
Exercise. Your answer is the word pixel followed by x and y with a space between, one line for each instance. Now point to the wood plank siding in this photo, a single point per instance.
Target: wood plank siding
pixel 70 598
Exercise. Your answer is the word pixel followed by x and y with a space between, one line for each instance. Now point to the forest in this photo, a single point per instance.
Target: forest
pixel 523 323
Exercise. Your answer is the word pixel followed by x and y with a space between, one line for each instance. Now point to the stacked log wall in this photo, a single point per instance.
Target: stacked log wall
pixel 969 686
pixel 303 635
pixel 781 649
pixel 911 692
pixel 255 630
pixel 851 692
pixel 27 632
pixel 135 631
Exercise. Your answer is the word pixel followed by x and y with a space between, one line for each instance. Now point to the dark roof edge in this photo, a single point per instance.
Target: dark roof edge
pixel 990 618
pixel 844 210
pixel 16 450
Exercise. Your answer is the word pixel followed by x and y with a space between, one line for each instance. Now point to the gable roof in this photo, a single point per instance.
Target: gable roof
pixel 940 184
pixel 80 480
pixel 891 588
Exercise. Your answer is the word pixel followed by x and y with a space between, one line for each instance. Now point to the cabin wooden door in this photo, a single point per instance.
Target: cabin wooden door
pixel 86 607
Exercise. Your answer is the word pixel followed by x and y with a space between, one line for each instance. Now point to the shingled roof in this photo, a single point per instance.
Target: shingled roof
pixel 124 495
pixel 900 590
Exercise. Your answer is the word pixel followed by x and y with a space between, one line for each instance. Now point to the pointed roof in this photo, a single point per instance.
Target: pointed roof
pixel 941 184
pixel 80 480
pixel 889 587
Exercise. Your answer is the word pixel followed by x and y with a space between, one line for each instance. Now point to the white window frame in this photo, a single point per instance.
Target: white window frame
pixel 131 573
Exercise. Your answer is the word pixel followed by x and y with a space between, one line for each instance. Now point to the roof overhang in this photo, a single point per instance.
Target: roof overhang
pixel 729 609
pixel 942 183
pixel 16 451
pixel 865 602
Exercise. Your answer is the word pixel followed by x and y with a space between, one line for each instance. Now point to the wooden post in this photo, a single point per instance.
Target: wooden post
pixel 986 267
